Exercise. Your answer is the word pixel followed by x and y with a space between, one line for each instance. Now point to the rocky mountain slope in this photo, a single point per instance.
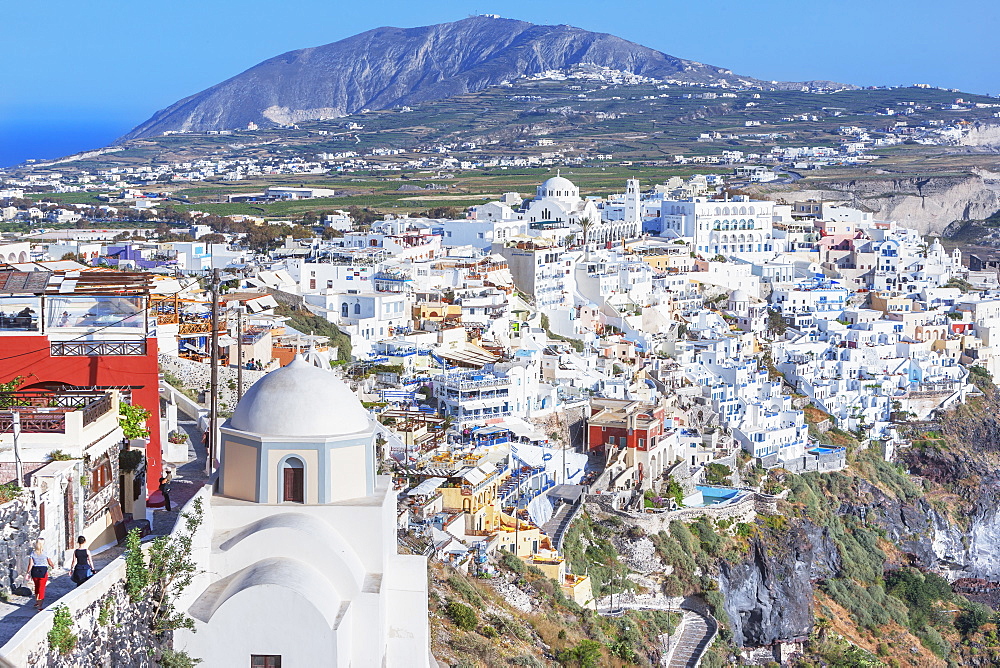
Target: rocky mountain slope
pixel 927 204
pixel 387 67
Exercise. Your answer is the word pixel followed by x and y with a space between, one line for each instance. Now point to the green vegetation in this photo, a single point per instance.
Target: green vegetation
pixel 576 343
pixel 170 658
pixel 718 474
pixel 9 491
pixel 463 616
pixel 59 456
pixel 584 654
pixel 133 420
pixel 168 572
pixel 61 637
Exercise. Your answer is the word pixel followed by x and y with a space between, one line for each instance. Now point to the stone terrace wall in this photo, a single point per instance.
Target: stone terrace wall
pixel 123 641
pixel 197 376
pixel 18 532
pixel 744 510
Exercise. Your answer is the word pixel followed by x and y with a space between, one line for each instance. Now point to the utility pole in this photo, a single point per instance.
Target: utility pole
pixel 18 464
pixel 213 416
pixel 239 351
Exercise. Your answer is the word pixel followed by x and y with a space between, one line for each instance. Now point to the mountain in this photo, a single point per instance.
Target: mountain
pixel 387 67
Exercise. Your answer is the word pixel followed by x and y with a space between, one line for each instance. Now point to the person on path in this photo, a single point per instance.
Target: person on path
pixel 39 565
pixel 165 489
pixel 204 441
pixel 83 563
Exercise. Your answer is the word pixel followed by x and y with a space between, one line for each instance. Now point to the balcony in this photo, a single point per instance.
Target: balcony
pixel 97 348
pixel 46 413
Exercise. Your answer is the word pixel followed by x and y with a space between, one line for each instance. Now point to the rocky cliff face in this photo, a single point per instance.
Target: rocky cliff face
pixel 387 67
pixel 769 596
pixel 928 205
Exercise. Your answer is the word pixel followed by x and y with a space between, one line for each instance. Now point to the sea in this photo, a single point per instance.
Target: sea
pixel 23 138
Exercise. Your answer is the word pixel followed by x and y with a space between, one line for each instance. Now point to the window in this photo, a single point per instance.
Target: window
pixel 344 310
pixel 100 475
pixel 611 440
pixel 357 309
pixel 329 284
pixel 265 661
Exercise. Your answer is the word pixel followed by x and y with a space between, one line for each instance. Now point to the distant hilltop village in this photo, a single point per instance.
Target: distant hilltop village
pixel 448 392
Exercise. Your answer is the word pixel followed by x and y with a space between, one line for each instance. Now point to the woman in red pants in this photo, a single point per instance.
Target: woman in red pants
pixel 39 565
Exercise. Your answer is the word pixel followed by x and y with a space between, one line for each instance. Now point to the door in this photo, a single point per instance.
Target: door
pixel 294 485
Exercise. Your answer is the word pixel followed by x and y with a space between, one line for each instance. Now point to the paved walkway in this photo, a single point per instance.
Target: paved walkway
pixel 189 478
pixel 692 643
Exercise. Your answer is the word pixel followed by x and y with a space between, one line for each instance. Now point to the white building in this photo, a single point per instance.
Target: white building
pixel 296 556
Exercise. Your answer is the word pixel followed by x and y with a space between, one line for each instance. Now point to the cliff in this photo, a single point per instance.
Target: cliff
pixel 926 204
pixel 768 597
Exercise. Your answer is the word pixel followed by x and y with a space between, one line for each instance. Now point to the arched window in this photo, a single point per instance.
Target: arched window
pixel 725 210
pixel 293 480
pixel 750 211
pixel 344 310
pixel 743 211
pixel 357 309
pixel 718 211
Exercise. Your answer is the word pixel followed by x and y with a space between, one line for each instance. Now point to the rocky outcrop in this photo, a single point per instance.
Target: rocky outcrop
pixel 768 597
pixel 926 204
pixel 387 67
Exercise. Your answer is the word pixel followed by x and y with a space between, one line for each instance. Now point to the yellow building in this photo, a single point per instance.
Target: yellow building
pixel 475 492
pixel 576 587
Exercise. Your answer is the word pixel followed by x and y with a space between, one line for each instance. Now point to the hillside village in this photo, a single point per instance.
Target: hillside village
pixel 663 354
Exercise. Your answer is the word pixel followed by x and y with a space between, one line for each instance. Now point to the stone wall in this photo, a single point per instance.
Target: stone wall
pixel 196 376
pixel 744 510
pixel 123 640
pixel 18 532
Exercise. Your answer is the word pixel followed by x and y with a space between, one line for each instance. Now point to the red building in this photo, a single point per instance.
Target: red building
pixel 83 330
pixel 637 427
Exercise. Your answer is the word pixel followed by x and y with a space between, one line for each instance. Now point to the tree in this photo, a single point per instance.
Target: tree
pixel 586 223
pixel 133 420
pixel 167 574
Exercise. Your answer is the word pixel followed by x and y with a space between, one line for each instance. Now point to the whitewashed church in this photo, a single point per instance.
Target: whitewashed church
pixel 297 552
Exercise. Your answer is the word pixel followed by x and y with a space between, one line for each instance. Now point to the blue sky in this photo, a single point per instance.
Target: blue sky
pixel 92 70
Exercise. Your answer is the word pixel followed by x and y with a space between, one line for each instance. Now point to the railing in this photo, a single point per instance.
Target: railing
pixel 96 409
pixel 97 348
pixel 35 423
pixel 46 414
pixel 40 399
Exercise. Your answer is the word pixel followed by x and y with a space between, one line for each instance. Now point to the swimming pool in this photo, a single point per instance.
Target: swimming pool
pixel 711 496
pixel 824 451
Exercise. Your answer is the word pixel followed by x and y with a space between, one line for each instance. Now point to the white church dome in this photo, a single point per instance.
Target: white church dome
pixel 558 186
pixel 739 295
pixel 300 400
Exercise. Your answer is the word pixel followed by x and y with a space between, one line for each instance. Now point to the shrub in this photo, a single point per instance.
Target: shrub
pixel 973 616
pixel 513 562
pixel 584 654
pixel 718 474
pixel 466 589
pixel 59 456
pixel 177 659
pixel 9 491
pixel 61 637
pixel 489 632
pixel 463 616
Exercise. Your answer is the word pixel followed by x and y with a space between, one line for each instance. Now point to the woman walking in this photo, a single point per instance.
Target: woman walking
pixel 83 563
pixel 39 565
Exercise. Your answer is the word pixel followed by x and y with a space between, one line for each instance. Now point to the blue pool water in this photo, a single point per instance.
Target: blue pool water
pixel 715 495
pixel 823 451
